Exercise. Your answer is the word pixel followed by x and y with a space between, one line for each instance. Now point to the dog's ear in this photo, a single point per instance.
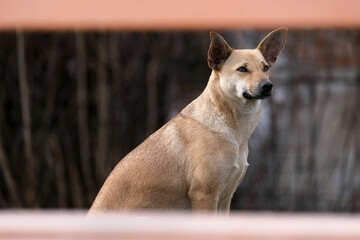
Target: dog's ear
pixel 273 44
pixel 218 52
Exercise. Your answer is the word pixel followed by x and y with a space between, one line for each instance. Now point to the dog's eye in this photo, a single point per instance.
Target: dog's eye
pixel 266 68
pixel 242 69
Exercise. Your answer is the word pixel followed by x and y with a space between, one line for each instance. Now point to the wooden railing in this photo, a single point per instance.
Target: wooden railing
pixel 176 14
pixel 254 226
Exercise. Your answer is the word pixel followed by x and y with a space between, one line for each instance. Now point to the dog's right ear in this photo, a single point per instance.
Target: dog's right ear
pixel 218 52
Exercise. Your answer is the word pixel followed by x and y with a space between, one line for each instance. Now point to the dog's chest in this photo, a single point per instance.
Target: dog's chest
pixel 240 164
pixel 235 175
pixel 241 161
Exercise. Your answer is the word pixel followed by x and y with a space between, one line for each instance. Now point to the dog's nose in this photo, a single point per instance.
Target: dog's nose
pixel 266 86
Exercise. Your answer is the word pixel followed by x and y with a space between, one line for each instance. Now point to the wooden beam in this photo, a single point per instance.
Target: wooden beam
pixel 62 15
pixel 255 226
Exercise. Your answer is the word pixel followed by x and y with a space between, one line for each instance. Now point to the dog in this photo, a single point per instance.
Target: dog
pixel 197 160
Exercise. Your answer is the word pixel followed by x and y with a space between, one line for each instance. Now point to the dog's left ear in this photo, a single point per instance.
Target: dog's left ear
pixel 218 52
pixel 273 44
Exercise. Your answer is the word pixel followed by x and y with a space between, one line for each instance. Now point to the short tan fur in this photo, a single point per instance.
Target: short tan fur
pixel 197 160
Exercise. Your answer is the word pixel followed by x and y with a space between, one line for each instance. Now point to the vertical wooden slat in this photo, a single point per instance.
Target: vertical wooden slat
pixel 81 80
pixel 31 163
pixel 102 104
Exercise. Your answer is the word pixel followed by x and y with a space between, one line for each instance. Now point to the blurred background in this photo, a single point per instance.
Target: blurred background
pixel 75 101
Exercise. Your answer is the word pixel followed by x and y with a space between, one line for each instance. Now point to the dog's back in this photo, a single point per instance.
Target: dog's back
pixel 149 176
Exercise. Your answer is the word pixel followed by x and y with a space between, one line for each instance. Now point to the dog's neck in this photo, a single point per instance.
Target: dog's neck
pixel 214 109
pixel 234 111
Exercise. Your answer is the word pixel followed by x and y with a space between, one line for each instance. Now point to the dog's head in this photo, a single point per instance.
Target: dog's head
pixel 245 73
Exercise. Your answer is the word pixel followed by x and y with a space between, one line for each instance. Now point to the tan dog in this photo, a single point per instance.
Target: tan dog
pixel 197 160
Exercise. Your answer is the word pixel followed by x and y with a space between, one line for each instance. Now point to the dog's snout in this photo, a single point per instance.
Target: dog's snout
pixel 266 86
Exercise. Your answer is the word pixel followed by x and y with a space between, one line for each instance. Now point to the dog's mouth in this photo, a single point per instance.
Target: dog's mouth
pixel 265 89
pixel 257 95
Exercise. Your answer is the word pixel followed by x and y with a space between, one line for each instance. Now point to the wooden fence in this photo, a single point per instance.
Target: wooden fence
pixel 164 15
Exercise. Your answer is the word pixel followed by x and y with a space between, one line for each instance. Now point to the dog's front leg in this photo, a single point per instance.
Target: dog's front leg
pixel 203 200
pixel 224 205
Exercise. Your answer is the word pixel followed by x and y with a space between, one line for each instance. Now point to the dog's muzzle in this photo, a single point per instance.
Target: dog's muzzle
pixel 265 89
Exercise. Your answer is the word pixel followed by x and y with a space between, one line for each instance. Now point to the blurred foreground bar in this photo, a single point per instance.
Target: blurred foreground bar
pixel 255 226
pixel 176 14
